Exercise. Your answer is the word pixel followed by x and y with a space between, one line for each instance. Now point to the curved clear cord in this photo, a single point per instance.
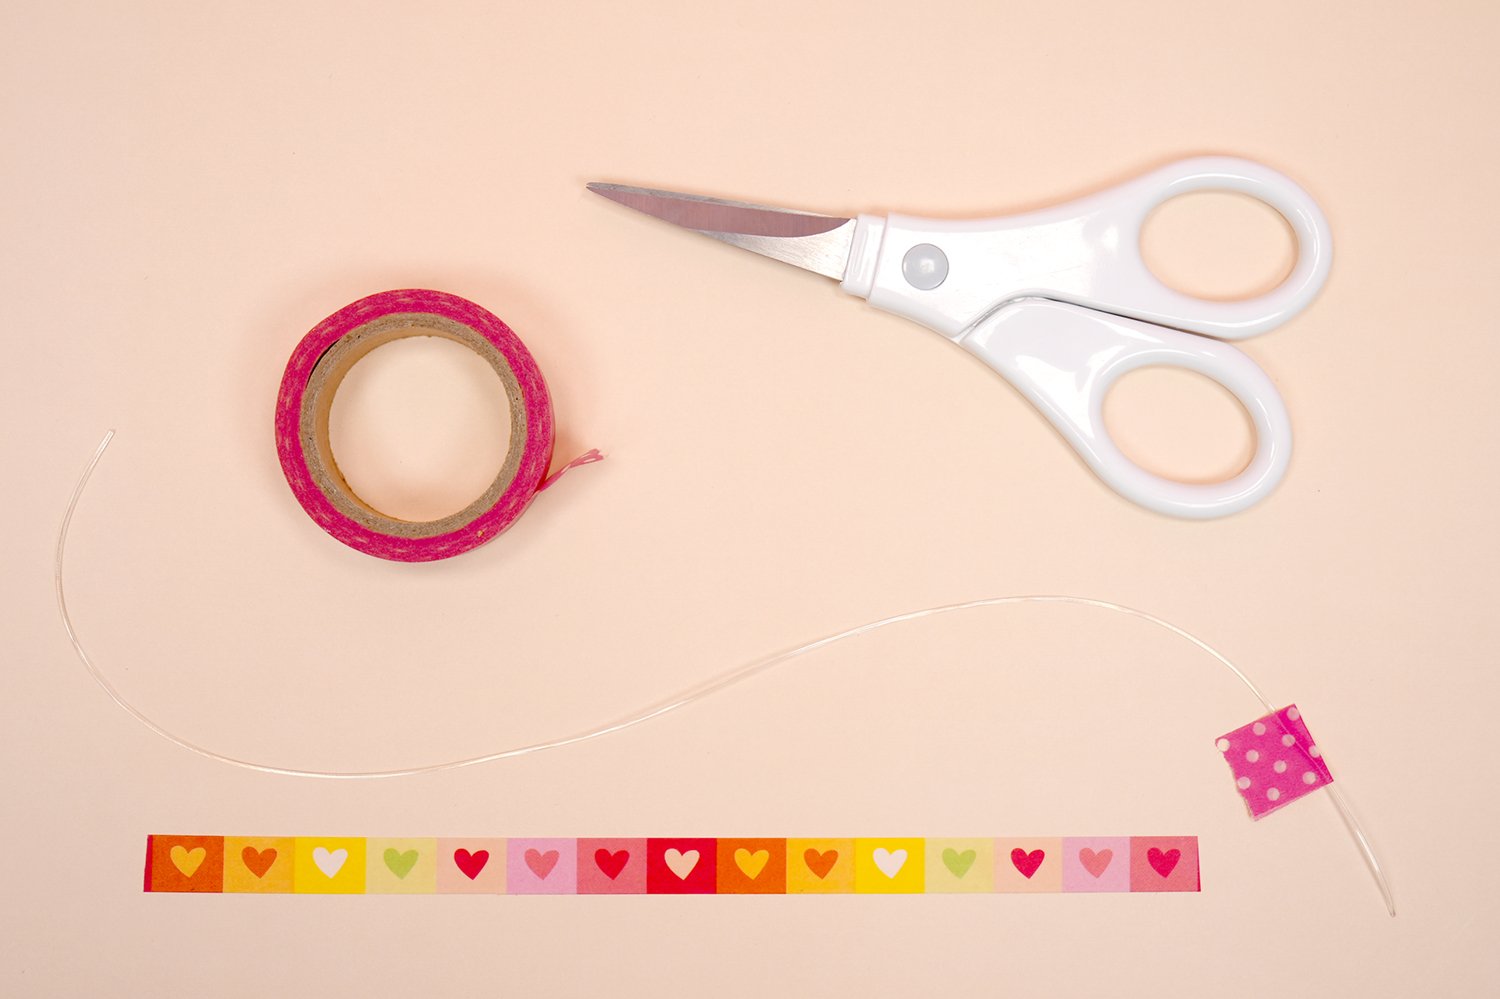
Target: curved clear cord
pixel 681 700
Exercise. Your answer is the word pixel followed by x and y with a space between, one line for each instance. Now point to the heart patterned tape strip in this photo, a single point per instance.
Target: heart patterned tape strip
pixel 318 865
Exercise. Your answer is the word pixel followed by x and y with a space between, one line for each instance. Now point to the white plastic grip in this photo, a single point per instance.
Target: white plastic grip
pixel 1064 359
pixel 1141 294
pixel 1088 252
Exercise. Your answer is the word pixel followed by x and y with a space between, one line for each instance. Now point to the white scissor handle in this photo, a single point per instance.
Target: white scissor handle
pixel 1064 359
pixel 1086 251
pixel 1124 284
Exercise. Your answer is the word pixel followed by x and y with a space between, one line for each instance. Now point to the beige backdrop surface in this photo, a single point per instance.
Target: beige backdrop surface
pixel 186 188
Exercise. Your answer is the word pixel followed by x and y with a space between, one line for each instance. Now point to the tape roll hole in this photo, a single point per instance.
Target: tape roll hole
pixel 1179 424
pixel 420 426
pixel 1218 246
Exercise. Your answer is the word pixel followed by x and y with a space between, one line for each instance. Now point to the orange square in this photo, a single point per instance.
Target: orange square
pixel 819 866
pixel 752 867
pixel 185 863
pixel 258 863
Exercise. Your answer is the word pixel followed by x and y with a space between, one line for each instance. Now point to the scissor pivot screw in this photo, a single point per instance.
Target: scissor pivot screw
pixel 924 267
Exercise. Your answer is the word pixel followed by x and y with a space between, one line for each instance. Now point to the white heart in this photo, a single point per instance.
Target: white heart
pixel 890 864
pixel 682 864
pixel 329 863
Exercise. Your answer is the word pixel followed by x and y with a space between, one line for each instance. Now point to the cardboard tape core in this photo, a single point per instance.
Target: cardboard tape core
pixel 320 363
pixel 324 383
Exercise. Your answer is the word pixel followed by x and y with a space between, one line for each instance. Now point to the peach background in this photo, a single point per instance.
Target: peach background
pixel 188 187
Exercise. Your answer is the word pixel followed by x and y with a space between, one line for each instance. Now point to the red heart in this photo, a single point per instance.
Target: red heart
pixel 1027 863
pixel 1095 863
pixel 541 864
pixel 820 863
pixel 611 863
pixel 258 861
pixel 471 863
pixel 1163 863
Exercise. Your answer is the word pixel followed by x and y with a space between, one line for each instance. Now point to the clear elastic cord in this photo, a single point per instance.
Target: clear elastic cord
pixel 689 696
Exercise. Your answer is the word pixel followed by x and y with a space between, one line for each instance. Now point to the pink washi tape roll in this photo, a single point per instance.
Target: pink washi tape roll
pixel 312 377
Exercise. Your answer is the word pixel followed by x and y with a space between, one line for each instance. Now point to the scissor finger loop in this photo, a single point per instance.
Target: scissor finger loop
pixel 1064 359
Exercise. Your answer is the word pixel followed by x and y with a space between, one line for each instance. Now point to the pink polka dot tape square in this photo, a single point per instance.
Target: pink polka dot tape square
pixel 1274 760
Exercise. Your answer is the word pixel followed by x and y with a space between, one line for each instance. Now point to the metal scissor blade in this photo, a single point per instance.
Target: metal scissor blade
pixel 818 243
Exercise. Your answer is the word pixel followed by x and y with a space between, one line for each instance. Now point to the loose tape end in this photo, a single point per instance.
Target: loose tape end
pixel 587 458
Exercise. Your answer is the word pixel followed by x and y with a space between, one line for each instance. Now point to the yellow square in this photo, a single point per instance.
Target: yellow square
pixel 960 864
pixel 258 863
pixel 401 866
pixel 888 865
pixel 329 865
pixel 822 866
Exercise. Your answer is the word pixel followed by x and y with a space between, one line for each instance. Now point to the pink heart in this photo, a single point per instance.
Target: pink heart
pixel 1095 863
pixel 1163 863
pixel 541 864
pixel 1027 863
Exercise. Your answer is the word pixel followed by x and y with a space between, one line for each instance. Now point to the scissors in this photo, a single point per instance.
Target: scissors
pixel 1059 302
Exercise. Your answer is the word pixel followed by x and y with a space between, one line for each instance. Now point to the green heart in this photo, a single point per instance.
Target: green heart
pixel 958 863
pixel 400 863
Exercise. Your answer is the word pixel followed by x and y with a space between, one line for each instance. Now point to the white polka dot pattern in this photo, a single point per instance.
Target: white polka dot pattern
pixel 1274 761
